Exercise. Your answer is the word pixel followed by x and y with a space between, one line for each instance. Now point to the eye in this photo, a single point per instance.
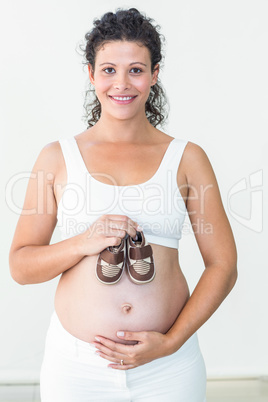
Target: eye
pixel 109 70
pixel 136 70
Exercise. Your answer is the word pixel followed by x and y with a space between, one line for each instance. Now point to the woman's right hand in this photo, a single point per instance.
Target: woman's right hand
pixel 107 231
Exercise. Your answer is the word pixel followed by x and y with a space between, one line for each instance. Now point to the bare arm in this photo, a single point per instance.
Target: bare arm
pixel 216 244
pixel 218 250
pixel 32 259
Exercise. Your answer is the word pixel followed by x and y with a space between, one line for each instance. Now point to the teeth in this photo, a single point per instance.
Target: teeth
pixel 123 98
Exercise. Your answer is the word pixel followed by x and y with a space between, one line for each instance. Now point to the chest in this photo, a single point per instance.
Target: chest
pixel 123 165
pixel 120 166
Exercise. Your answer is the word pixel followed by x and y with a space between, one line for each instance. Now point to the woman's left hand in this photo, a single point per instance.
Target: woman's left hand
pixel 150 346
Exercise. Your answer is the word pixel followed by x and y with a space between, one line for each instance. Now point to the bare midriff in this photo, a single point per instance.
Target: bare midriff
pixel 87 307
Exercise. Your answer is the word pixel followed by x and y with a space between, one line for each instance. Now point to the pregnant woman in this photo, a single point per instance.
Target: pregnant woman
pixel 124 325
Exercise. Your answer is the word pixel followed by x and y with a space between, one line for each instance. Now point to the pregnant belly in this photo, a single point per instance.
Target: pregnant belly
pixel 87 308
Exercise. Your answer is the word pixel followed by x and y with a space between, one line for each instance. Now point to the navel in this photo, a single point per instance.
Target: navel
pixel 126 308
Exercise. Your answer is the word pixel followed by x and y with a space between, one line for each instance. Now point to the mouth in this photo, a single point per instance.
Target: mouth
pixel 122 100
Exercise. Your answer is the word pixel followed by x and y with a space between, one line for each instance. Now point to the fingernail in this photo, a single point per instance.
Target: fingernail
pixel 120 333
pixel 139 228
pixel 97 339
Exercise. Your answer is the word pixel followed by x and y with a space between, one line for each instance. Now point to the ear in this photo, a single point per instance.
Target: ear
pixel 155 74
pixel 91 73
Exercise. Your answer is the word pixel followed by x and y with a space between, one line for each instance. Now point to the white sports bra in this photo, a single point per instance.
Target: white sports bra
pixel 157 204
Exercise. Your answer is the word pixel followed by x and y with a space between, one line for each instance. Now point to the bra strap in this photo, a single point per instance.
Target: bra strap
pixel 174 156
pixel 73 160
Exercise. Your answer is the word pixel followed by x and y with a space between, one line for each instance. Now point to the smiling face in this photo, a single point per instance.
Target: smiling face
pixel 122 78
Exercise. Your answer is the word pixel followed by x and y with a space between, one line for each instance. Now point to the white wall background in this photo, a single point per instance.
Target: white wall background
pixel 216 78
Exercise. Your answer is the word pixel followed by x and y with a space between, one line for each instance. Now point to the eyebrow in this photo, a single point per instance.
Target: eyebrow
pixel 112 64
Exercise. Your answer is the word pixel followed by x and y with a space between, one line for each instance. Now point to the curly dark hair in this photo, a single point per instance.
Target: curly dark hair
pixel 129 25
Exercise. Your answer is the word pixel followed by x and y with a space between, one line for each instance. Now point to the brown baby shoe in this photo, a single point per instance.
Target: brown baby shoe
pixel 110 264
pixel 140 263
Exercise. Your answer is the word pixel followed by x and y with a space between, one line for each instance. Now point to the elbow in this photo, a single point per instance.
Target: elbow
pixel 16 270
pixel 230 269
pixel 17 277
pixel 233 276
pixel 232 273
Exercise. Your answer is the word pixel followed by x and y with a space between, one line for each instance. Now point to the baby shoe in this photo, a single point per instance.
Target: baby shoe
pixel 139 257
pixel 110 264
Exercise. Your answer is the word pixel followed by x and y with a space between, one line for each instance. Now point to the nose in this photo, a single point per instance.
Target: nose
pixel 121 82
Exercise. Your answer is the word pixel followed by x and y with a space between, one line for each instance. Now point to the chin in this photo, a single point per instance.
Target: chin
pixel 122 117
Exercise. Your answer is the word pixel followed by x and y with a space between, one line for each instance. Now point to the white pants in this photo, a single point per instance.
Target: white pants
pixel 72 372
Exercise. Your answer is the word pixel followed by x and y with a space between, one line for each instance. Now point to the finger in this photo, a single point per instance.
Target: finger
pixel 125 226
pixel 121 367
pixel 110 345
pixel 109 354
pixel 112 241
pixel 112 228
pixel 131 227
pixel 114 360
pixel 123 218
pixel 115 231
pixel 108 228
pixel 133 336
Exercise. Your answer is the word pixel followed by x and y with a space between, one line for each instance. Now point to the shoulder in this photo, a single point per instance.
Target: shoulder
pixel 50 150
pixel 50 158
pixel 194 153
pixel 195 163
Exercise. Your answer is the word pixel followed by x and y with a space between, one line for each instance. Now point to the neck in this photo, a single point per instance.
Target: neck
pixel 130 131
